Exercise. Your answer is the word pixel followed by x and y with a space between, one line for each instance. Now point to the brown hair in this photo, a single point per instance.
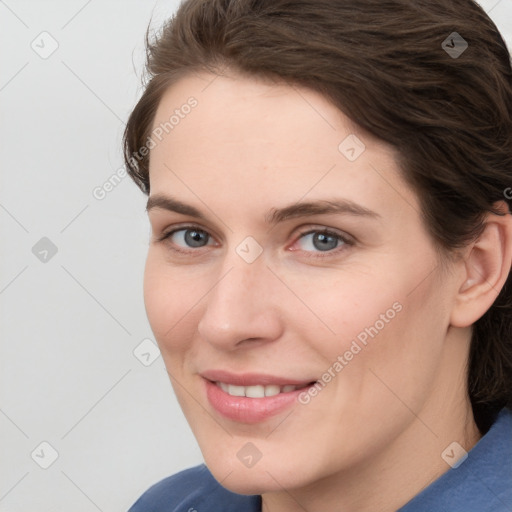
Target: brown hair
pixel 382 64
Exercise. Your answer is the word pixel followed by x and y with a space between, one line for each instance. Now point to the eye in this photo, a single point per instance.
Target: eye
pixel 321 241
pixel 188 237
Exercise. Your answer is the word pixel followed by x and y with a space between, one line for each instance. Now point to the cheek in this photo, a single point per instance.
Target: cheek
pixel 352 307
pixel 169 300
pixel 379 328
pixel 403 359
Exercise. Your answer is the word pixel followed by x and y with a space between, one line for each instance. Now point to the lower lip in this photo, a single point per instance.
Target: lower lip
pixel 249 410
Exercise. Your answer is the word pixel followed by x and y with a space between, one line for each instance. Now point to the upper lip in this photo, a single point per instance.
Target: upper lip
pixel 252 379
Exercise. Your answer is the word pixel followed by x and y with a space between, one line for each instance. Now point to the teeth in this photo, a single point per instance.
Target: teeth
pixel 272 390
pixel 257 391
pixel 236 390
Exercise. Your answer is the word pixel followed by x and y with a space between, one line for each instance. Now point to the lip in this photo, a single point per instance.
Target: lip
pixel 251 379
pixel 249 410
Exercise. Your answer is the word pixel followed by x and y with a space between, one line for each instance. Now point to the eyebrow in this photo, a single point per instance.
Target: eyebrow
pixel 275 215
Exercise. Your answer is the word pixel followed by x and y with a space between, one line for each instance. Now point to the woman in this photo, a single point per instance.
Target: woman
pixel 328 277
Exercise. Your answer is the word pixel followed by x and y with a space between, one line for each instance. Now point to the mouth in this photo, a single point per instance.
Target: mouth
pixel 251 398
pixel 259 390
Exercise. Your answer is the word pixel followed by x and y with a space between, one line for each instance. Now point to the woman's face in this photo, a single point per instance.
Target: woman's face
pixel 285 253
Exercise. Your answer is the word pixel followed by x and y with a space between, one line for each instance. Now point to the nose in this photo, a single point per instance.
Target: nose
pixel 242 307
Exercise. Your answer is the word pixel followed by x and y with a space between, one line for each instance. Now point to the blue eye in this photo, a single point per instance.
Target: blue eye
pixel 314 241
pixel 189 237
pixel 322 241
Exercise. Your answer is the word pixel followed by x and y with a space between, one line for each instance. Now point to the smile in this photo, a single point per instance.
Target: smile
pixel 257 391
pixel 251 398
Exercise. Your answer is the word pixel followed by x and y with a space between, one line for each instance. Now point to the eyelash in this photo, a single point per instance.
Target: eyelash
pixel 346 241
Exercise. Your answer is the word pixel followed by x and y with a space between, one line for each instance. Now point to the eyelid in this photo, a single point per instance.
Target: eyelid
pixel 319 228
pixel 166 232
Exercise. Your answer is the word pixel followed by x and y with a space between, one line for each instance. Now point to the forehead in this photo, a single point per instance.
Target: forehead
pixel 242 111
pixel 263 140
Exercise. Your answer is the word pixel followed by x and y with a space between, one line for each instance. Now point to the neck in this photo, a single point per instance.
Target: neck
pixel 408 464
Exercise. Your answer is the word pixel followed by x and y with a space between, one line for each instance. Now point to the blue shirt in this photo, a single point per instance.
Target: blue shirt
pixel 482 483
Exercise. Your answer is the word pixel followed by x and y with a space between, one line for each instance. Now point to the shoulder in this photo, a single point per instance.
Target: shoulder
pixel 496 469
pixel 193 490
pixel 481 483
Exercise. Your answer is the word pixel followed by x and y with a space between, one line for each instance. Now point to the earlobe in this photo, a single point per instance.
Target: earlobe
pixel 487 265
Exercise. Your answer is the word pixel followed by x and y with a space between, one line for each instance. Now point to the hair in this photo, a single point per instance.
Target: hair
pixel 383 64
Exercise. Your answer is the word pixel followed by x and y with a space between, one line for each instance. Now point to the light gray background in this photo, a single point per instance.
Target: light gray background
pixel 70 323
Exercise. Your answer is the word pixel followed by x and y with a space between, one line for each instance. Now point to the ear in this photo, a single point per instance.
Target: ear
pixel 486 267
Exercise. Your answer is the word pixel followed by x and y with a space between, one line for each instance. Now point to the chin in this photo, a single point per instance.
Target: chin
pixel 250 481
pixel 269 474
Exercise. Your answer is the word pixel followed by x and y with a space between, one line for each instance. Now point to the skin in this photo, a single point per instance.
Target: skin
pixel 373 437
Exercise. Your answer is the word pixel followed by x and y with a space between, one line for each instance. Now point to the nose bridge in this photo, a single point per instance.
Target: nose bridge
pixel 240 305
